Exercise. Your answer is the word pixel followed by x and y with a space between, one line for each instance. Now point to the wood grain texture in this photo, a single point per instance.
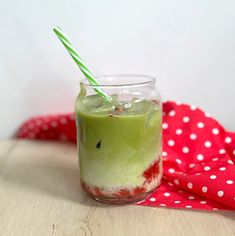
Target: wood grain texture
pixel 40 195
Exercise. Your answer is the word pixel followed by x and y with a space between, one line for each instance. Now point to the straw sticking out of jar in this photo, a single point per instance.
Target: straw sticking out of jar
pixel 81 64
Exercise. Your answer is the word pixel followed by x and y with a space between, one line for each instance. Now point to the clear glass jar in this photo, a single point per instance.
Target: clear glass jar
pixel 119 142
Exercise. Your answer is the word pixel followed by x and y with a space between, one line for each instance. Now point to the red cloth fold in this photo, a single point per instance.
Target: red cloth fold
pixel 198 156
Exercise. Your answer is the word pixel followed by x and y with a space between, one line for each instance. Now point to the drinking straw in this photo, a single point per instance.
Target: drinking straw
pixel 81 64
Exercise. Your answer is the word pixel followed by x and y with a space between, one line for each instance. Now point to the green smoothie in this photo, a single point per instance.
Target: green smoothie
pixel 119 145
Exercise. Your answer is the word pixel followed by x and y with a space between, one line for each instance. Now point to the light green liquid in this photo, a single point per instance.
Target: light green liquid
pixel 115 150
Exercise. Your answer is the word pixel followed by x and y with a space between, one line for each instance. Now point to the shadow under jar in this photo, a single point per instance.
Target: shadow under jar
pixel 119 142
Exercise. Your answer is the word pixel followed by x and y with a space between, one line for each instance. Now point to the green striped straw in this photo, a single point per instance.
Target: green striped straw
pixel 68 45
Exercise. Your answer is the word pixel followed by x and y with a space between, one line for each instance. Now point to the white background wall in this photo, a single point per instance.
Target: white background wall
pixel 189 45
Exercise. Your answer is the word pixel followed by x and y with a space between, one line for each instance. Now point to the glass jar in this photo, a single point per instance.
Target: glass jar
pixel 119 142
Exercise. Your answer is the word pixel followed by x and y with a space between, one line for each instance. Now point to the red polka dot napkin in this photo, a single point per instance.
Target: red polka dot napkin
pixel 198 156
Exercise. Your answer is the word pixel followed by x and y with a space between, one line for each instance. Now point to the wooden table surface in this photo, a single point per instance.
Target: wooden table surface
pixel 40 195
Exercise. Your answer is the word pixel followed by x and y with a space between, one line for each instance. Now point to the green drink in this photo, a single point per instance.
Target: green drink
pixel 118 134
pixel 119 145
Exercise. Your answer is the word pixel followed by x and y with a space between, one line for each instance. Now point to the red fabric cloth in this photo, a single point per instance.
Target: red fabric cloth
pixel 198 156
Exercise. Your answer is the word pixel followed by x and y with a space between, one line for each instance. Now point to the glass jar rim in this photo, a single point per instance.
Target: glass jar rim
pixel 143 80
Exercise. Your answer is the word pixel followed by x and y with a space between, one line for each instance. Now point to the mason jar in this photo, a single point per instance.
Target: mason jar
pixel 119 141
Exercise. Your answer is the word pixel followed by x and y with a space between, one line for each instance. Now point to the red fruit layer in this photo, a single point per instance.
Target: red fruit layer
pixel 151 172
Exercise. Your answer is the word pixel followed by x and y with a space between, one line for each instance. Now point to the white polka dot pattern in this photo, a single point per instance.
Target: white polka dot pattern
pixel 192 165
pixel 207 144
pixel 222 151
pixel 193 108
pixel 164 154
pixel 213 177
pixel 54 124
pixel 171 170
pixel 172 113
pixel 228 140
pixel 206 168
pixel 222 168
pixel 177 202
pixel 63 120
pixel 204 189
pixel 215 131
pixel 190 185
pixel 220 193
pixel 179 131
pixel 193 136
pixel 177 182
pixel 200 125
pixel 185 150
pixel 186 119
pixel 200 157
pixel 178 161
pixel 164 125
pixel 231 162
pixel 171 142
